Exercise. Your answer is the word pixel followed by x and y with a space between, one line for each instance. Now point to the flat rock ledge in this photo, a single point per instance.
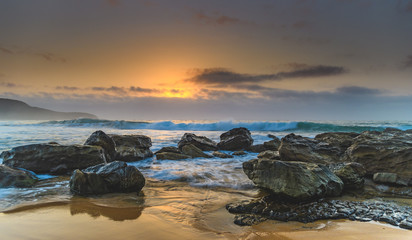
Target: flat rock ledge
pixel 252 212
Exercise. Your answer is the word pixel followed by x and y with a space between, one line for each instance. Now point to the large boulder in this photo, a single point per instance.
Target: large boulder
pixel 297 181
pixel 53 158
pixel 10 177
pixel 272 145
pixel 235 139
pixel 169 149
pixel 269 154
pixel 201 142
pixel 352 174
pixel 132 148
pixel 388 151
pixel 106 178
pixel 340 140
pixel 99 138
pixel 297 148
pixel 194 152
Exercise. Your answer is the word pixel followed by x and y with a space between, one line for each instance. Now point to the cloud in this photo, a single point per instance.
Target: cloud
pixel 68 88
pixel 222 76
pixel 355 90
pixel 114 89
pixel 7 84
pixel 408 62
pixel 143 90
pixel 306 40
pixel 218 19
pixel 50 57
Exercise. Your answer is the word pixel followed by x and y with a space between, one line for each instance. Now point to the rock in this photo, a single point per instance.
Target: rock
pixel 235 139
pixel 201 142
pixel 269 154
pixel 99 138
pixel 389 151
pixel 296 181
pixel 386 178
pixel 257 148
pixel 352 175
pixel 107 178
pixel 169 149
pixel 340 140
pixel 194 151
pixel 239 153
pixel 132 148
pixel 297 148
pixel 221 155
pixel 269 145
pixel 254 211
pixel 52 158
pixel 171 156
pixel 10 177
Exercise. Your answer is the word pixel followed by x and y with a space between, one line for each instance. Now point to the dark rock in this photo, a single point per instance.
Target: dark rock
pixel 132 148
pixel 171 156
pixel 99 138
pixel 239 153
pixel 169 149
pixel 340 140
pixel 352 174
pixel 389 151
pixel 271 208
pixel 201 142
pixel 221 155
pixel 297 148
pixel 10 177
pixel 257 148
pixel 194 152
pixel 235 139
pixel 49 158
pixel 389 178
pixel 269 154
pixel 272 144
pixel 296 181
pixel 107 178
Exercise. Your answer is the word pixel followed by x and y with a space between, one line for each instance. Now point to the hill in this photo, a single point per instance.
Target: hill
pixel 17 110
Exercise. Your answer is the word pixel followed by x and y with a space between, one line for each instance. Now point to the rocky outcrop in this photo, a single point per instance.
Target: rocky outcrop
pixel 132 148
pixel 99 138
pixel 389 179
pixel 272 145
pixel 106 178
pixel 201 142
pixel 296 181
pixel 255 211
pixel 169 149
pixel 388 151
pixel 53 158
pixel 10 177
pixel 194 152
pixel 235 139
pixel 269 155
pixel 297 148
pixel 221 155
pixel 352 174
pixel 340 140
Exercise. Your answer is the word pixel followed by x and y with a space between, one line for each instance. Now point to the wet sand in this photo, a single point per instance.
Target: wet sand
pixel 169 210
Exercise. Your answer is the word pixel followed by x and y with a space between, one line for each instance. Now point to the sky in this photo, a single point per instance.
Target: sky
pixel 210 60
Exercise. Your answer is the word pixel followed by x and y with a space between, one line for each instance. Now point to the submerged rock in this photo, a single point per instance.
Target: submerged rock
pixel 221 155
pixel 297 181
pixel 388 151
pixel 132 148
pixel 239 153
pixel 255 211
pixel 53 158
pixel 297 148
pixel 352 174
pixel 10 177
pixel 99 138
pixel 235 139
pixel 194 152
pixel 106 178
pixel 171 156
pixel 201 142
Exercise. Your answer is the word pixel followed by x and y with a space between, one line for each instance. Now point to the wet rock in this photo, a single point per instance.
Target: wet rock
pixel 340 140
pixel 297 148
pixel 257 148
pixel 221 155
pixel 388 151
pixel 169 149
pixel 269 145
pixel 271 208
pixel 10 177
pixel 351 174
pixel 235 139
pixel 248 219
pixel 171 156
pixel 132 148
pixel 268 154
pixel 194 152
pixel 297 181
pixel 239 153
pixel 201 142
pixel 53 158
pixel 106 178
pixel 99 138
pixel 389 178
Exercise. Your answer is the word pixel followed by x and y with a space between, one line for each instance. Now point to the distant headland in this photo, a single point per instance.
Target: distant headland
pixel 17 110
